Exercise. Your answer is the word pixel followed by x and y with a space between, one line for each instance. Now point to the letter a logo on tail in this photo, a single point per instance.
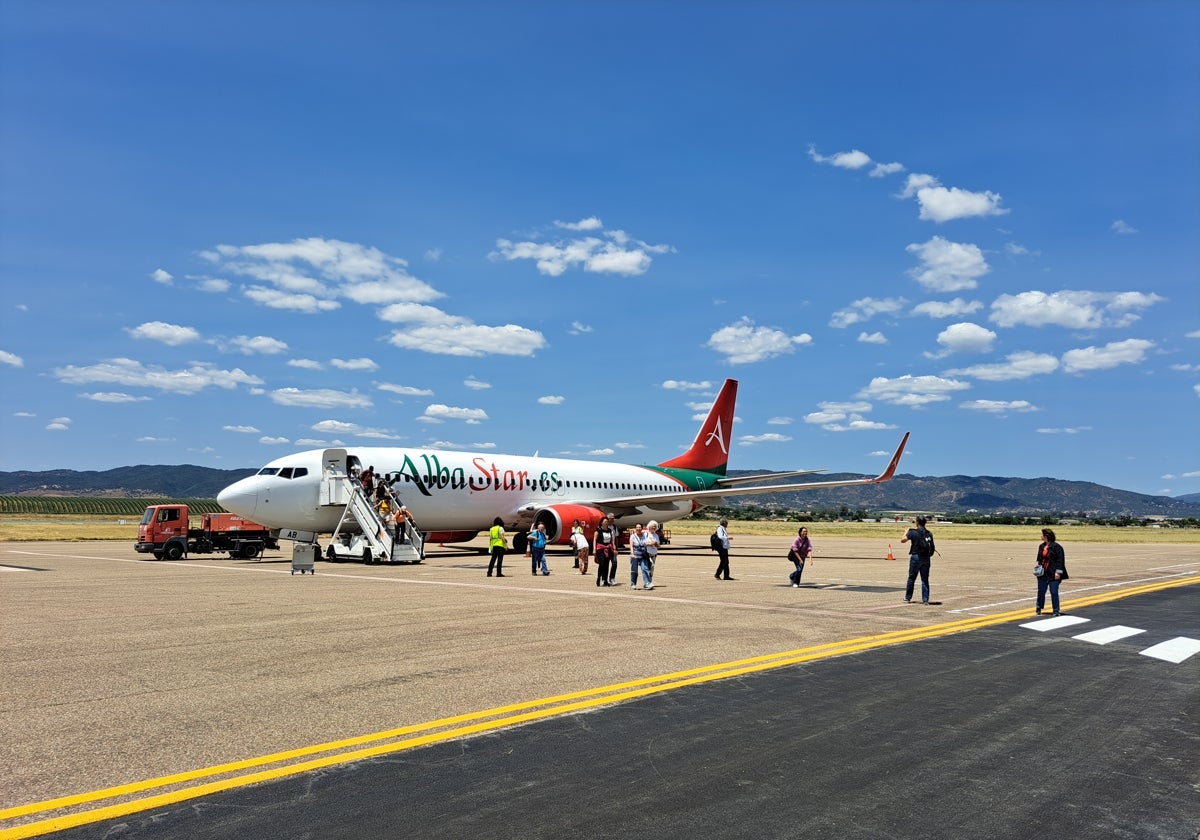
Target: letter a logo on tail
pixel 710 451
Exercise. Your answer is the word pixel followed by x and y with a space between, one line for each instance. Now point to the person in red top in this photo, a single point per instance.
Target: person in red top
pixel 1053 562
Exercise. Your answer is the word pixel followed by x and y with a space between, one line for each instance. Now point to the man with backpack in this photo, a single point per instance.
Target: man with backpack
pixel 920 553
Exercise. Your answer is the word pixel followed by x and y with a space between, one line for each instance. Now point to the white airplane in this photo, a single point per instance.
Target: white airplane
pixel 453 496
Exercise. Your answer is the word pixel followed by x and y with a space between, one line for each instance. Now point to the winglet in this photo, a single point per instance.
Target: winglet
pixel 887 474
pixel 710 450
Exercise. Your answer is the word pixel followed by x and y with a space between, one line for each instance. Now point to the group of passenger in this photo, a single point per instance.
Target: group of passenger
pixel 395 516
pixel 644 543
pixel 605 546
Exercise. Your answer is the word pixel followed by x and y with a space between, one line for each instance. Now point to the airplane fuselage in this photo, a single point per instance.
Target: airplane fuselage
pixel 448 491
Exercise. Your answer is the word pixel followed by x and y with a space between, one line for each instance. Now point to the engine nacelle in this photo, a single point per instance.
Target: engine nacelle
pixel 560 518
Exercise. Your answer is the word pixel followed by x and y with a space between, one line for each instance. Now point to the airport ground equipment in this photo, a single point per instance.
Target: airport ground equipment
pixel 362 533
pixel 165 531
pixel 304 555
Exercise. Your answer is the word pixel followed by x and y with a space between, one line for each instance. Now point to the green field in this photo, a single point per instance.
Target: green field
pixel 94 505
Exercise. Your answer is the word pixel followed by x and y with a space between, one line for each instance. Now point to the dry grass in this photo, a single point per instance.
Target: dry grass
pixel 79 528
pixel 950 531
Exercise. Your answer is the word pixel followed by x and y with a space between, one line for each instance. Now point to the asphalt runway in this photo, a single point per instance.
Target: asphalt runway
pixel 217 698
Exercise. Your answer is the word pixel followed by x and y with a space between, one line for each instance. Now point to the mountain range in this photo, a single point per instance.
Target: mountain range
pixel 955 494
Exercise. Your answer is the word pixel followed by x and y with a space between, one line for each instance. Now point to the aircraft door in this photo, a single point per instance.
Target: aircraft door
pixel 334 469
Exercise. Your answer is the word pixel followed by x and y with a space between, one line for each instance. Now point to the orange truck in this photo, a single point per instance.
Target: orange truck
pixel 165 531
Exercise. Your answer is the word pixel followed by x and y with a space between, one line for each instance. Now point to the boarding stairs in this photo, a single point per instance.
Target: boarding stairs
pixel 362 533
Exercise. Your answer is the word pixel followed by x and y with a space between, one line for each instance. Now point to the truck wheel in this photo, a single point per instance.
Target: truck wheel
pixel 158 555
pixel 173 552
pixel 367 558
pixel 249 551
pixel 329 553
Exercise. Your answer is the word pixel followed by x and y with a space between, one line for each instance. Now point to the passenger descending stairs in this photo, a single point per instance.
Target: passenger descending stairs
pixel 361 533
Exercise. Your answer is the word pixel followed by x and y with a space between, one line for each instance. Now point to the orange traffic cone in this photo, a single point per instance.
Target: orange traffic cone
pixel 890 557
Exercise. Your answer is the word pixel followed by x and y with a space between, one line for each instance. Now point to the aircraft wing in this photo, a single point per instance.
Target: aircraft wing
pixel 625 503
pixel 750 479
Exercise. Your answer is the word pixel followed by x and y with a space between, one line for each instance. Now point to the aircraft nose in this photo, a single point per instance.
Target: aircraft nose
pixel 241 498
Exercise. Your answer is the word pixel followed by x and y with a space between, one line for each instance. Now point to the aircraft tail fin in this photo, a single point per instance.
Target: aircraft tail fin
pixel 710 451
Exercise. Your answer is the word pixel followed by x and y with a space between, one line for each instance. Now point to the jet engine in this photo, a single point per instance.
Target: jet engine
pixel 560 518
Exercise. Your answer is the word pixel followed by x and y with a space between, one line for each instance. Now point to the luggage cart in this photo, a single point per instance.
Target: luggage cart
pixel 303 557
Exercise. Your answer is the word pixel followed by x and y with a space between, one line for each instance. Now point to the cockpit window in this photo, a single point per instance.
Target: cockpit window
pixel 268 471
pixel 286 472
pixel 300 471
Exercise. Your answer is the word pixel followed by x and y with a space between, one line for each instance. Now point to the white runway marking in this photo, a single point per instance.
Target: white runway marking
pixel 1174 650
pixel 1109 634
pixel 1044 624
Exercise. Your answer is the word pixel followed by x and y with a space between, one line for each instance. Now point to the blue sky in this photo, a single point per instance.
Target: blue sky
pixel 233 231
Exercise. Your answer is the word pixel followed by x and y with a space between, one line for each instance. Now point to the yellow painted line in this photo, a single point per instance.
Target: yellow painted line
pixel 341 751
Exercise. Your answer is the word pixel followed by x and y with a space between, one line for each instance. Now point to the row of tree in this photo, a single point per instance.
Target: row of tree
pixel 754 513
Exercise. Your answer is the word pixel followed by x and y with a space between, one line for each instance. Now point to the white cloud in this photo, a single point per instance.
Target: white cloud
pixel 404 390
pixel 1071 309
pixel 275 299
pixel 153 439
pixel 947 309
pixel 779 421
pixel 965 337
pixel 1120 226
pixel 882 169
pixel 171 334
pixel 844 417
pixel 630 445
pixel 605 452
pixel 354 364
pixel 590 223
pixel 469 340
pixel 249 430
pixel 13 359
pixel 872 338
pixel 438 413
pixel 1020 365
pixel 552 399
pixel 161 276
pixel 260 344
pixel 320 398
pixel 475 385
pixel 912 391
pixel 610 252
pixel 743 342
pixel 947 266
pixel 1065 431
pixel 121 371
pixel 113 397
pixel 273 441
pixel 853 159
pixel 771 437
pixel 942 204
pixel 579 329
pixel 306 364
pixel 313 274
pixel 213 285
pixel 433 255
pixel 864 309
pixel 682 385
pixel 998 406
pixel 339 427
pixel 1128 352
